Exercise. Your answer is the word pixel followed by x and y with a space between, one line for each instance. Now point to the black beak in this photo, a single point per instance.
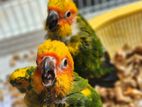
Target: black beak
pixel 48 72
pixel 52 20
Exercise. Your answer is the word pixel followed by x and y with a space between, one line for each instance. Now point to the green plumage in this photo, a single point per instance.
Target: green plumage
pixel 21 78
pixel 88 52
pixel 76 98
pixel 89 59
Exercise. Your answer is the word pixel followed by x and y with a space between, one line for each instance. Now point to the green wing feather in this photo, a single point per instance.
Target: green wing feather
pixel 83 95
pixel 88 58
pixel 21 78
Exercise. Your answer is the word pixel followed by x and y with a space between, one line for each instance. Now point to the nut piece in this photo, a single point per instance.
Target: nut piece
pixel 12 63
pixel 127 91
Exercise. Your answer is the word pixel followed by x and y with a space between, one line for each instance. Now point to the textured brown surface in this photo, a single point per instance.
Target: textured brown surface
pixel 127 92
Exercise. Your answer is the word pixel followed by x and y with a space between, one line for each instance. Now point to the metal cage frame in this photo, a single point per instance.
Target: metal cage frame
pixel 22 21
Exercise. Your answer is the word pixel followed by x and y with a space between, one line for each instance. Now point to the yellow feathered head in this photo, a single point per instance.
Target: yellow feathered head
pixel 61 16
pixel 55 67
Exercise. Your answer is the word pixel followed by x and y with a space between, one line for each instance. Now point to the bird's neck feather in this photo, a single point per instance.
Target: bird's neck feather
pixel 63 85
pixel 75 31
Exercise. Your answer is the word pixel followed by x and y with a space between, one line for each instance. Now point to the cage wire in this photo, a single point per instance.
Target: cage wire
pixel 22 21
pixel 21 16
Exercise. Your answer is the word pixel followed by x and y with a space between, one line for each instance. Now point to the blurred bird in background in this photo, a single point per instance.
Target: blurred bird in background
pixel 91 61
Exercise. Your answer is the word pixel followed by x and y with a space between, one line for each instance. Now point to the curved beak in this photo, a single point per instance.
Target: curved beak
pixel 52 21
pixel 48 72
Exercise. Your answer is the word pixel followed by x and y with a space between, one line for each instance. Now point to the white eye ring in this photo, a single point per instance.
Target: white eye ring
pixel 64 63
pixel 67 14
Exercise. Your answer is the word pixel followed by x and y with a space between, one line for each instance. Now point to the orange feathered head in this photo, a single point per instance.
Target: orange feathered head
pixel 55 67
pixel 61 16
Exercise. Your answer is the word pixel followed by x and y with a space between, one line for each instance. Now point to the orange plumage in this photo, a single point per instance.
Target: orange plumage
pixel 66 12
pixel 63 76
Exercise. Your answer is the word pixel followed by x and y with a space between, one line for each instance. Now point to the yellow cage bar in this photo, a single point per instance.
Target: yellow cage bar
pixel 119 27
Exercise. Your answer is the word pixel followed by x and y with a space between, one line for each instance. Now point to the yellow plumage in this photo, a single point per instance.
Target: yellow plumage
pixel 19 73
pixel 21 78
pixel 66 84
pixel 74 47
pixel 63 5
pixel 63 85
pixel 86 92
pixel 65 30
pixel 64 78
pixel 54 47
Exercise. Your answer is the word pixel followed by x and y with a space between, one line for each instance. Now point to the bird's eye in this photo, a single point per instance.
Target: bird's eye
pixel 67 14
pixel 64 63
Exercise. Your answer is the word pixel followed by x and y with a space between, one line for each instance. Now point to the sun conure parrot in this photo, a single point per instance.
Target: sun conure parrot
pixel 53 83
pixel 65 24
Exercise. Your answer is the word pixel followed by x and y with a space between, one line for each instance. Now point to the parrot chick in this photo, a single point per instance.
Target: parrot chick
pixel 55 79
pixel 65 24
pixel 53 83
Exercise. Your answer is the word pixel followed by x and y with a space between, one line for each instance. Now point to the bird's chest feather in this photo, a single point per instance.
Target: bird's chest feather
pixel 57 94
